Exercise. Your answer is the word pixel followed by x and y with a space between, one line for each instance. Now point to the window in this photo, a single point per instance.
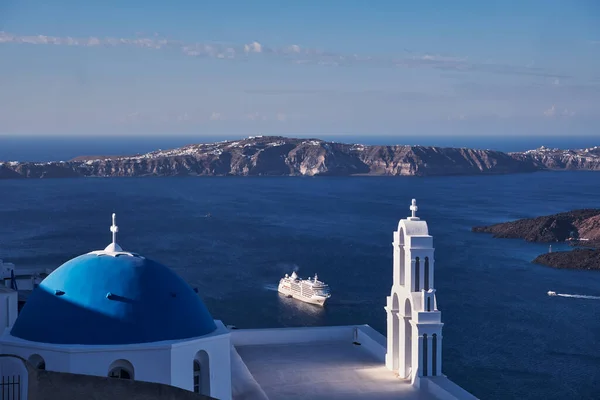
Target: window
pixel 417 274
pixel 121 369
pixel 434 354
pixel 426 283
pixel 119 373
pixel 202 373
pixel 196 376
pixel 37 361
pixel 425 354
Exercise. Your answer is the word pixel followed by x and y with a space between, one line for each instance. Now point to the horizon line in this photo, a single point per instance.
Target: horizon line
pixel 290 135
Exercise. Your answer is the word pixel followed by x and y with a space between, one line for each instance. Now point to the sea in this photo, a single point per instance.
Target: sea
pixel 233 238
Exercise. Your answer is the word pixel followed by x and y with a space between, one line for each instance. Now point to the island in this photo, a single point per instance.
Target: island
pixel 579 228
pixel 574 259
pixel 281 156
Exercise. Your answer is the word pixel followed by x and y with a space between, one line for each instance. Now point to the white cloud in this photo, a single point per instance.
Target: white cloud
pixel 551 112
pixel 84 42
pixel 430 57
pixel 93 41
pixel 134 116
pixel 215 116
pixel 554 112
pixel 191 52
pixel 253 47
pixel 293 53
pixel 459 117
pixel 567 113
pixel 195 117
pixel 328 63
pixel 256 117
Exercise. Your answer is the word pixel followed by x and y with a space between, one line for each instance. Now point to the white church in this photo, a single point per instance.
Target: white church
pixel 114 313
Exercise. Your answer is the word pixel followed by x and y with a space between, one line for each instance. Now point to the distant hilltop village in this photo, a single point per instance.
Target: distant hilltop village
pixel 280 156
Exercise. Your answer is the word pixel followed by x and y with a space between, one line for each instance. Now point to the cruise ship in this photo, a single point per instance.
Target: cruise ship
pixel 308 290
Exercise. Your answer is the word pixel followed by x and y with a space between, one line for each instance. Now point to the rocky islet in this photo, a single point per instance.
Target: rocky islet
pixel 580 228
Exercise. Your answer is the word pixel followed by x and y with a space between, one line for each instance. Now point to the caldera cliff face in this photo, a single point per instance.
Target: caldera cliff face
pixel 280 156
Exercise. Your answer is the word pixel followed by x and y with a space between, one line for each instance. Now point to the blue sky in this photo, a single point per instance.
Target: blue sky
pixel 299 67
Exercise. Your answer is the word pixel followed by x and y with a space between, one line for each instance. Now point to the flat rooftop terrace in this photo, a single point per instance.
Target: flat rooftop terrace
pixel 324 370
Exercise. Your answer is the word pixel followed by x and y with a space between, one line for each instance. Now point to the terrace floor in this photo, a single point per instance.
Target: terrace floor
pixel 323 370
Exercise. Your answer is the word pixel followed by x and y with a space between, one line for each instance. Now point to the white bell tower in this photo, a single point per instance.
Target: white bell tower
pixel 414 327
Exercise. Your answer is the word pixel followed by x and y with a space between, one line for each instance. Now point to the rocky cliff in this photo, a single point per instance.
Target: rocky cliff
pixel 581 225
pixel 575 259
pixel 578 227
pixel 273 155
pixel 557 159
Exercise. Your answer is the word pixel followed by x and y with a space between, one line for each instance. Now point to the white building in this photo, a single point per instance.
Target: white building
pixel 115 313
pixel 23 279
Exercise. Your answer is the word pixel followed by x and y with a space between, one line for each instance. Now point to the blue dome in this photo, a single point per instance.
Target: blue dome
pixel 101 299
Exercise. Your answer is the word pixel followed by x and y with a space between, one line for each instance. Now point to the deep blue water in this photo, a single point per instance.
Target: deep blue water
pixel 45 148
pixel 504 338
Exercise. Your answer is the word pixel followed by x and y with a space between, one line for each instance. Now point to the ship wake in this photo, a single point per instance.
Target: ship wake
pixel 270 287
pixel 578 296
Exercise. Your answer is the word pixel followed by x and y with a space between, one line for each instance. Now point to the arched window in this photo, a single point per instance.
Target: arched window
pixel 426 274
pixel 434 355
pixel 37 361
pixel 429 303
pixel 394 339
pixel 402 256
pixel 407 340
pixel 202 373
pixel 120 373
pixel 425 355
pixel 197 377
pixel 121 369
pixel 417 273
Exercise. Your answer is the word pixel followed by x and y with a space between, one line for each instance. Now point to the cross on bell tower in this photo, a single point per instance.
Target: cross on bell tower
pixel 413 209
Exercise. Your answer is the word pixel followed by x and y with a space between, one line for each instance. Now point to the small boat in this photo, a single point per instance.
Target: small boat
pixel 309 290
pixel 551 293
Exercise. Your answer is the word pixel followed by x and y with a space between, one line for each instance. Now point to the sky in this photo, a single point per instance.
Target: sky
pixel 129 67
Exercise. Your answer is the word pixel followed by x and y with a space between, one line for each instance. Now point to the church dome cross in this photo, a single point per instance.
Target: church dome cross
pixel 114 228
pixel 114 247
